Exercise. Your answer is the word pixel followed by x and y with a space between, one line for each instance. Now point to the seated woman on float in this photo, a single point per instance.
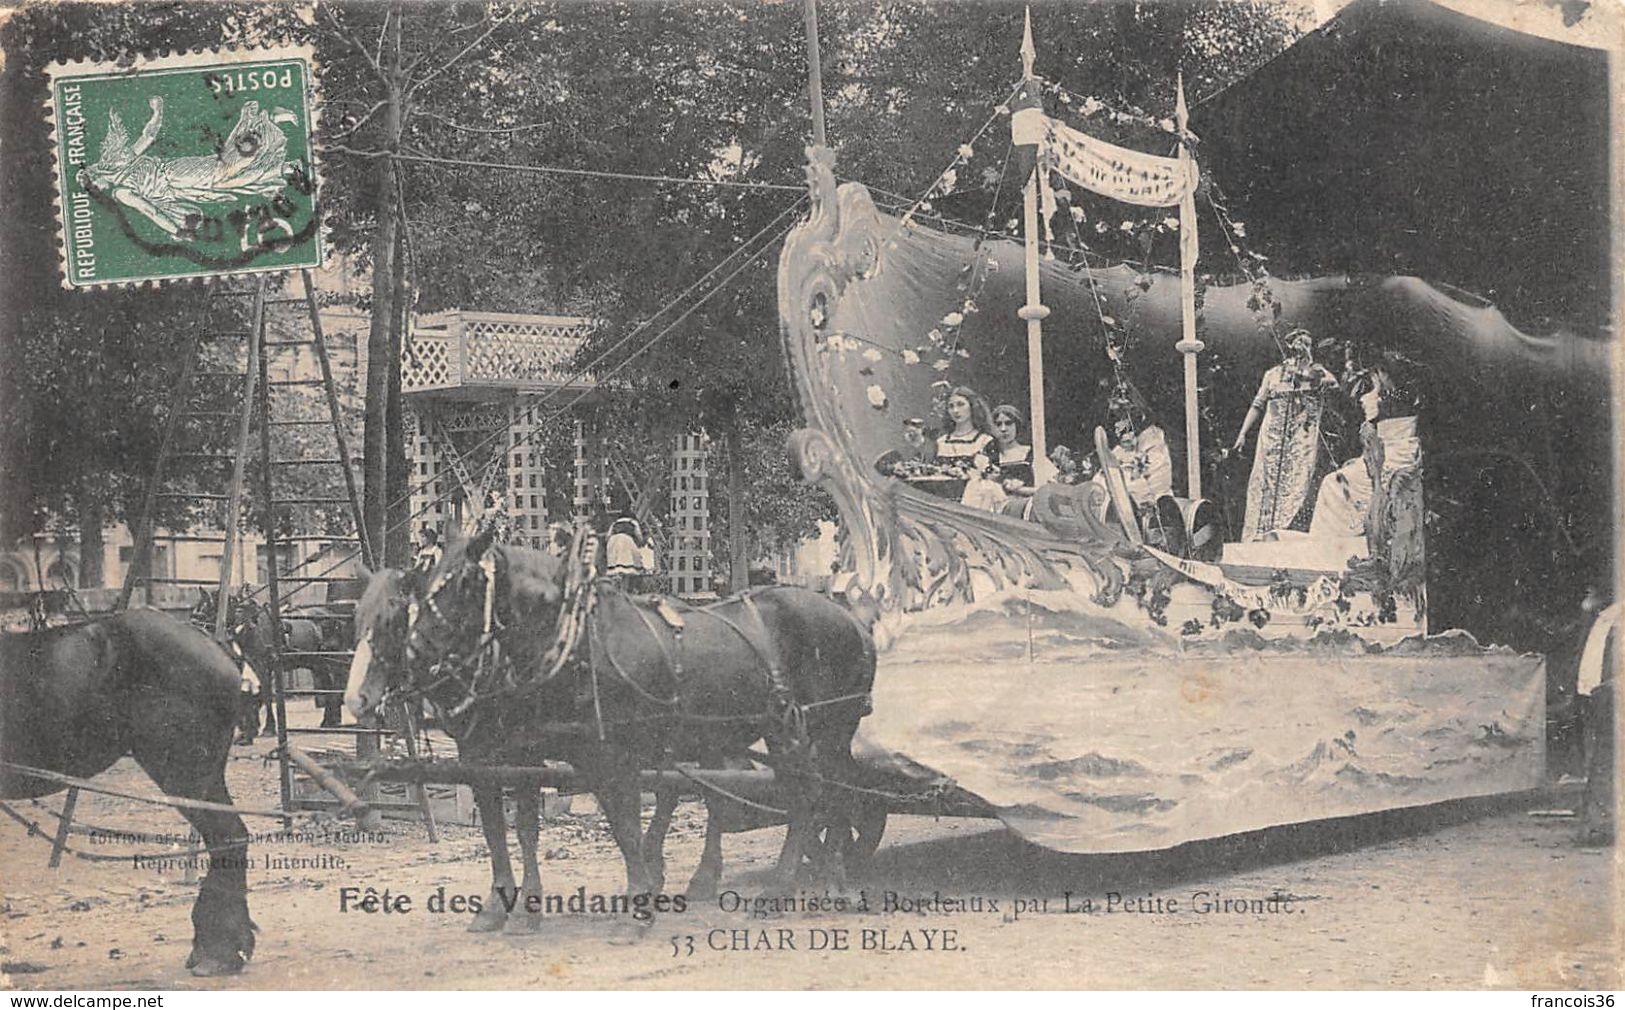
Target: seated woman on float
pixel 968 444
pixel 1343 505
pixel 1146 461
pixel 1019 473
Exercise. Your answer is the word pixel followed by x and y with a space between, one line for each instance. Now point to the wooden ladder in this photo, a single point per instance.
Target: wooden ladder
pixel 264 386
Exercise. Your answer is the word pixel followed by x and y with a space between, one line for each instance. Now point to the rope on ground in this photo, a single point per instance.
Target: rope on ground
pixel 179 802
pixel 79 827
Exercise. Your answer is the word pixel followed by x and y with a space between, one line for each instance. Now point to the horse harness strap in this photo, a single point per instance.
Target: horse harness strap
pixel 761 645
pixel 674 656
pixel 781 699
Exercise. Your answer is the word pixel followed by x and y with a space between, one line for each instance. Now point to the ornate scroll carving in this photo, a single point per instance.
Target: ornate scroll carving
pixel 905 550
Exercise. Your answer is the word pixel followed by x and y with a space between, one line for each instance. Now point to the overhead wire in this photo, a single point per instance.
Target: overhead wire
pixel 586 371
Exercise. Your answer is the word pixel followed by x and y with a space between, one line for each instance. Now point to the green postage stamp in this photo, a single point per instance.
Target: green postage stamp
pixel 191 165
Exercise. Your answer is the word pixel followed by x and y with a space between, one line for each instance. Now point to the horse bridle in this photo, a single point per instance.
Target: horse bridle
pixel 445 664
pixel 486 673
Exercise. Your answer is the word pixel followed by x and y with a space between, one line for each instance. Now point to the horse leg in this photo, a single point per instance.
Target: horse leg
pixel 615 783
pixel 494 822
pixel 654 838
pixel 268 699
pixel 528 819
pixel 703 885
pixel 333 703
pixel 222 932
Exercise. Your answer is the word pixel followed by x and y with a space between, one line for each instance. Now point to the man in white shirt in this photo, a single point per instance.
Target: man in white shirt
pixel 1596 685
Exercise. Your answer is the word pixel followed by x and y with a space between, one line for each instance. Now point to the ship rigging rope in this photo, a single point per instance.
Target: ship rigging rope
pixel 508 166
pixel 907 217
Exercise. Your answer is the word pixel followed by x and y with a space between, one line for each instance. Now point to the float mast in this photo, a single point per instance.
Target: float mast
pixel 1188 345
pixel 1027 127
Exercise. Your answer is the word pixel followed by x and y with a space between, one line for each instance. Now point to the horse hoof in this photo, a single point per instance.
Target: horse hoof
pixel 484 923
pixel 211 966
pixel 527 924
pixel 702 889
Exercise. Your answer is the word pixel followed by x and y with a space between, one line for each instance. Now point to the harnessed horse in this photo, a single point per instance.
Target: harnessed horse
pixel 75 699
pixel 248 638
pixel 527 659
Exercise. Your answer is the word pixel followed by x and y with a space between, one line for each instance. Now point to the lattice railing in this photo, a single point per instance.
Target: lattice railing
pixel 460 348
pixel 432 365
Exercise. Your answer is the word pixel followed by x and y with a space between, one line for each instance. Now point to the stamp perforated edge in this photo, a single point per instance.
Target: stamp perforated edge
pixel 169 60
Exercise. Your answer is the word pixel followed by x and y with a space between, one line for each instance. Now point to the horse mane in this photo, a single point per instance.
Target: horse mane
pixel 533 571
pixel 384 592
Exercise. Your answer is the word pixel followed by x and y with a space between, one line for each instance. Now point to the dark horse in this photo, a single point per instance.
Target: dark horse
pixel 626 693
pixel 73 700
pixel 248 632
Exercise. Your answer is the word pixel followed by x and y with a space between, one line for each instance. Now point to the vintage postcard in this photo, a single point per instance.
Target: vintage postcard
pixel 810 495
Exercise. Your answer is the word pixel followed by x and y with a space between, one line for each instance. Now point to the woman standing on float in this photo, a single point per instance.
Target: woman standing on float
pixel 1289 401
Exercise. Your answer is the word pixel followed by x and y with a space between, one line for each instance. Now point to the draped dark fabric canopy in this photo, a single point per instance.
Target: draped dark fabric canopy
pixel 1404 138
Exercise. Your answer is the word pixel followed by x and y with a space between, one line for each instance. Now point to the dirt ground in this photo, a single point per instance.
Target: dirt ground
pixel 1492 896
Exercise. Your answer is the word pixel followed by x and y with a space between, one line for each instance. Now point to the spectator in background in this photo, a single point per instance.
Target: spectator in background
pixel 558 539
pixel 428 555
pixel 621 550
pixel 1595 687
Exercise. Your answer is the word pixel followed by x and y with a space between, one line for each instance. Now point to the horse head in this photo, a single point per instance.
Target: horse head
pixel 203 611
pixel 379 664
pixel 477 594
pixel 248 628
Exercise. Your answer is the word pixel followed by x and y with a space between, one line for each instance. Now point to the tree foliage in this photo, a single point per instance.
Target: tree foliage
pixel 469 105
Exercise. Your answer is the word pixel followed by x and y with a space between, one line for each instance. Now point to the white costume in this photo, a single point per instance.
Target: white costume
pixel 1594 655
pixel 621 554
pixel 1345 493
pixel 1148 468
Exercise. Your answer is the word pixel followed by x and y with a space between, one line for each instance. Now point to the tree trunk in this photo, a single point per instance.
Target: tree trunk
pixel 381 360
pixel 738 557
pixel 398 514
pixel 91 518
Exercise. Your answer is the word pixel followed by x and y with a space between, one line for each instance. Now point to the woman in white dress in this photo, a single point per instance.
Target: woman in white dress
pixel 1344 505
pixel 1289 402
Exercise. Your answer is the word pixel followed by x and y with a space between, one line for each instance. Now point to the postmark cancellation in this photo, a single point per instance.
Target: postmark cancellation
pixel 191 165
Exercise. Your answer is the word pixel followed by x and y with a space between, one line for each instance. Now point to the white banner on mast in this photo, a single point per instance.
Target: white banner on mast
pixel 1120 173
pixel 1144 180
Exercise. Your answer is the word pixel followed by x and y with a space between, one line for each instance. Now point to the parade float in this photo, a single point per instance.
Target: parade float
pixel 1102 668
